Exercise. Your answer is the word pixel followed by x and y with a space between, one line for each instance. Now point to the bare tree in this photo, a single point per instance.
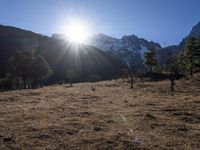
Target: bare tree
pixel 132 69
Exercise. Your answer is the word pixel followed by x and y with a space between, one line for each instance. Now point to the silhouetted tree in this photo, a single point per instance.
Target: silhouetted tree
pixel 28 67
pixel 132 69
pixel 7 82
pixel 20 66
pixel 173 70
pixel 149 59
pixel 131 75
pixel 71 75
pixel 41 70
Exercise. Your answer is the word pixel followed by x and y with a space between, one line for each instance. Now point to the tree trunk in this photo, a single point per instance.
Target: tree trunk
pixel 172 84
pixel 191 69
pixel 24 83
pixel 71 82
pixel 131 82
pixel 191 72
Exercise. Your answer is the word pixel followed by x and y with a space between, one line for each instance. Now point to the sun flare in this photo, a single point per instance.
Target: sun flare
pixel 77 32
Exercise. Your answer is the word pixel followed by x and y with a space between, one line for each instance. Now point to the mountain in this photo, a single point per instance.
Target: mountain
pixel 195 32
pixel 13 39
pixel 130 43
pixel 164 53
pixel 102 55
pixel 135 47
pixel 84 59
pixel 128 47
pixel 61 55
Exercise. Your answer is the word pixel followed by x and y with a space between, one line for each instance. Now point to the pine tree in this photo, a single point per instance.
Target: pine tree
pixel 40 70
pixel 20 66
pixel 191 55
pixel 149 59
pixel 28 67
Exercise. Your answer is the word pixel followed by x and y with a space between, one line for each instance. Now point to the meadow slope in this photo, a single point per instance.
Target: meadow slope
pixel 112 116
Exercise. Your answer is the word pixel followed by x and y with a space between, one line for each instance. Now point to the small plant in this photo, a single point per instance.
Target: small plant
pixel 71 75
pixel 93 89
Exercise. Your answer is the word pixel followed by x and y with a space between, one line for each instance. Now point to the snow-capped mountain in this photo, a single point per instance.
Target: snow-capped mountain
pixel 131 43
pixel 128 48
pixel 127 44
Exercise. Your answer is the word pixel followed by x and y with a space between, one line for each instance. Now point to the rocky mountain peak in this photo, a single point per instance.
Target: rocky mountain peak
pixel 195 31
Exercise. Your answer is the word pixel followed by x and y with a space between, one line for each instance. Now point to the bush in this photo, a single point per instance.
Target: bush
pixel 6 84
pixel 153 76
pixel 71 75
pixel 94 78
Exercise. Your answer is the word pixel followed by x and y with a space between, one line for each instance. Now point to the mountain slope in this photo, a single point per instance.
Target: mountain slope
pixel 84 59
pixel 127 48
pixel 60 54
pixel 195 32
pixel 164 53
pixel 13 39
pixel 129 43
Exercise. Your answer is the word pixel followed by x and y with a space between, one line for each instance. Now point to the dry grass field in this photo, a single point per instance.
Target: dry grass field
pixel 112 116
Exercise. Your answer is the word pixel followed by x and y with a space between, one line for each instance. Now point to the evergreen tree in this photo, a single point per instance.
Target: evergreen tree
pixel 190 57
pixel 149 59
pixel 41 70
pixel 29 68
pixel 20 66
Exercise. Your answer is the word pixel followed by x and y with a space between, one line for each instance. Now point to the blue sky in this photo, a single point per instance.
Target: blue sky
pixel 163 21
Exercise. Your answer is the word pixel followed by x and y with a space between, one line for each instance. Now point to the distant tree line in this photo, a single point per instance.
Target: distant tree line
pixel 185 63
pixel 27 69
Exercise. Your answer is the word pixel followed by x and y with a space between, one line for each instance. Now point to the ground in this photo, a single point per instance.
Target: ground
pixel 102 115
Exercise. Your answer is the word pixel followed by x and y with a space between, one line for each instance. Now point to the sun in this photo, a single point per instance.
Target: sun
pixel 77 32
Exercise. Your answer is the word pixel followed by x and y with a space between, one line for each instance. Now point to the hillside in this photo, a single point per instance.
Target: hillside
pixel 174 49
pixel 61 55
pixel 195 32
pixel 129 46
pixel 13 39
pixel 102 56
pixel 111 117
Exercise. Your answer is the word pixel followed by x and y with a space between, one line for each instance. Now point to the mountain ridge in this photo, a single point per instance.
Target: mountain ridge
pixel 127 47
pixel 60 54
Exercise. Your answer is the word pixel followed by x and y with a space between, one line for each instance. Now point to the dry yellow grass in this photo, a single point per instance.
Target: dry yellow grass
pixel 112 116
